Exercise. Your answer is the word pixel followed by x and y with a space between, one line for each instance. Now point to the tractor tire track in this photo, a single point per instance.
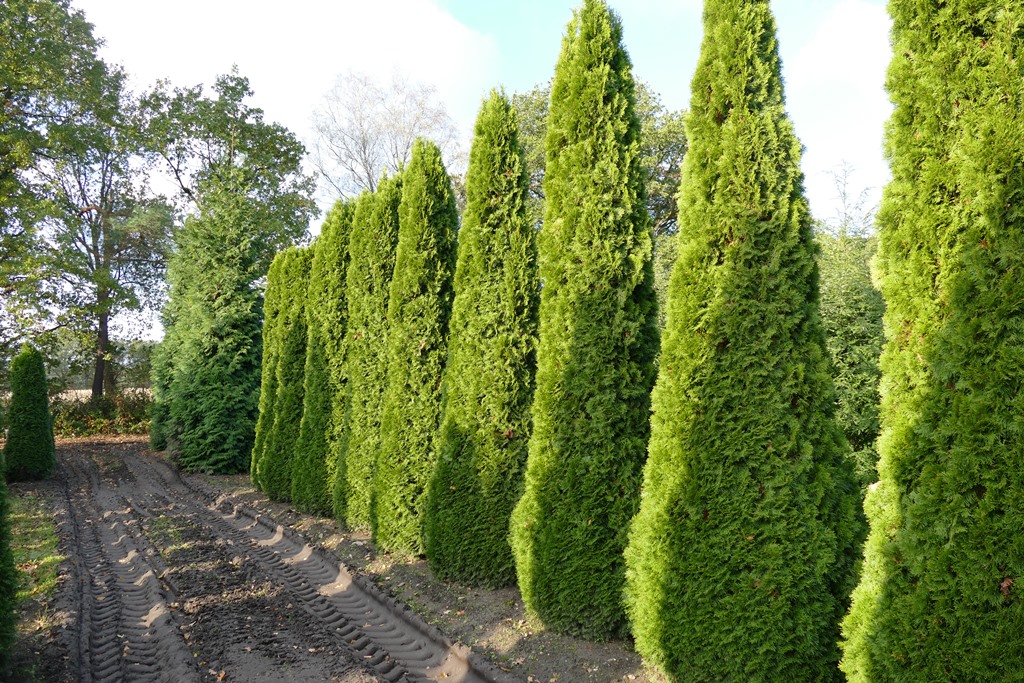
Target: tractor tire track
pixel 344 616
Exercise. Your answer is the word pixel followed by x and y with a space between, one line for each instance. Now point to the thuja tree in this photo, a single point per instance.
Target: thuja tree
pixel 419 307
pixel 271 357
pixel 326 322
pixel 275 465
pixel 372 253
pixel 940 597
pixel 28 452
pixel 739 560
pixel 312 472
pixel 851 313
pixel 488 379
pixel 211 396
pixel 598 340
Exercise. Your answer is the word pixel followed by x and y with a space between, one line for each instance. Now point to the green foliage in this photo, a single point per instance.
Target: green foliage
pixel 212 344
pixel 272 307
pixel 124 412
pixel 81 236
pixel 8 578
pixel 47 62
pixel 598 340
pixel 662 144
pixel 851 314
pixel 940 597
pixel 243 177
pixel 104 248
pixel 313 470
pixel 275 466
pixel 741 556
pixel 29 452
pixel 163 373
pixel 204 141
pixel 419 307
pixel 488 377
pixel 372 252
pixel 666 250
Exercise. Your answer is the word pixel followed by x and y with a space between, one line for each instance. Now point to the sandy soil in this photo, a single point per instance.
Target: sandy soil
pixel 200 578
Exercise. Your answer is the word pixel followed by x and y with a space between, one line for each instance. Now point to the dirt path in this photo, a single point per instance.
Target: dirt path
pixel 172 582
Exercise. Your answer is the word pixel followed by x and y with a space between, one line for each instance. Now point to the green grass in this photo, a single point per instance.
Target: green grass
pixel 36 555
pixel 166 532
pixel 34 543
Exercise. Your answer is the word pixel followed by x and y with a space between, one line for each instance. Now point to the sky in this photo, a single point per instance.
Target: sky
pixel 834 56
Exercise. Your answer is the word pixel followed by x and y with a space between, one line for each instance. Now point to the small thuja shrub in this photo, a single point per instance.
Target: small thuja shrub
pixel 419 306
pixel 597 342
pixel 488 378
pixel 29 451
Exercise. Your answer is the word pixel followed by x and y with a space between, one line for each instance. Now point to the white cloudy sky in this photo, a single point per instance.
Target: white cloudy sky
pixel 834 57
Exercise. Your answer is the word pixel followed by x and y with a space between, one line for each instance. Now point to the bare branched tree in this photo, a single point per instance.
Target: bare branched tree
pixel 365 129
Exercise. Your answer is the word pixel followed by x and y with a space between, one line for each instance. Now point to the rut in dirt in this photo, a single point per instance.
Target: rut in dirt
pixel 174 582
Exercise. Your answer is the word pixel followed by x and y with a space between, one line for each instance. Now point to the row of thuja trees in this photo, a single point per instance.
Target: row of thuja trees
pixel 442 397
pixel 502 428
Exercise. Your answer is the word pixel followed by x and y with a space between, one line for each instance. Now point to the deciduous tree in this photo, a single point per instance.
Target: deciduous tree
pixel 365 129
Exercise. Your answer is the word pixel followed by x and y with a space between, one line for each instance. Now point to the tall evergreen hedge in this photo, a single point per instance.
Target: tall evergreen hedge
pixel 941 596
pixel 29 452
pixel 851 313
pixel 740 559
pixel 485 426
pixel 598 340
pixel 419 307
pixel 275 466
pixel 326 321
pixel 372 252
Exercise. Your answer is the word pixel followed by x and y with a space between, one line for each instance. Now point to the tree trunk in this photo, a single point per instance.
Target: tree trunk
pixel 102 343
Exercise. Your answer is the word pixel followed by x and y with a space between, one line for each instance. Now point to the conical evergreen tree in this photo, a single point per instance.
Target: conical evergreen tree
pixel 739 560
pixel 275 468
pixel 29 452
pixel 372 252
pixel 271 358
pixel 213 349
pixel 488 379
pixel 326 320
pixel 598 340
pixel 418 310
pixel 941 596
